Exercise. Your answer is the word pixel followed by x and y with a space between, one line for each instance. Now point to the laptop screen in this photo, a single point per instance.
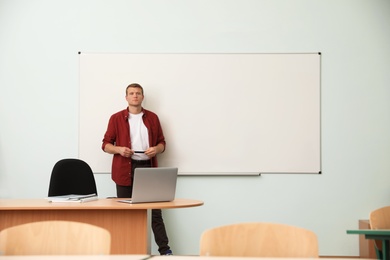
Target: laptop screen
pixel 156 184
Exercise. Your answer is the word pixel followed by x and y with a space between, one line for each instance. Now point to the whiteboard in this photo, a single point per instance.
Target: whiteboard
pixel 220 113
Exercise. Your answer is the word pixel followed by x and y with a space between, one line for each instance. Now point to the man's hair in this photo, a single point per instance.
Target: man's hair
pixel 135 85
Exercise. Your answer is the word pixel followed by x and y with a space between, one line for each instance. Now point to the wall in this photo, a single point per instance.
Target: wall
pixel 39 44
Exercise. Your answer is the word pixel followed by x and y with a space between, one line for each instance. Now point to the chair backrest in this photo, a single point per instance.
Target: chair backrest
pixel 380 219
pixel 55 238
pixel 71 176
pixel 257 239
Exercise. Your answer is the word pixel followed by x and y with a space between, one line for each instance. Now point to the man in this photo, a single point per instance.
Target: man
pixel 134 136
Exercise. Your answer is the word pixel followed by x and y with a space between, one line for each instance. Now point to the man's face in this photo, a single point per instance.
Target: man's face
pixel 134 96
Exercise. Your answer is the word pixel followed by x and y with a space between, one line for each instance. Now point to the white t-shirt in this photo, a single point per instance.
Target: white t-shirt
pixel 139 136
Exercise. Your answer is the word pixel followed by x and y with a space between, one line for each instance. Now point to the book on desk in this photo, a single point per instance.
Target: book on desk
pixel 73 198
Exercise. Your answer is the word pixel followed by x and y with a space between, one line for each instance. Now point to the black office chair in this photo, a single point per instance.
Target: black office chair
pixel 72 176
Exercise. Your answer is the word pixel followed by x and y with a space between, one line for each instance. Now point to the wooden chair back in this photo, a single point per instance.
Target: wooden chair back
pixel 259 239
pixel 55 238
pixel 380 219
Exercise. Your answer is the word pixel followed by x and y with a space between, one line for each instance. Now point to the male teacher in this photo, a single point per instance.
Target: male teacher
pixel 134 136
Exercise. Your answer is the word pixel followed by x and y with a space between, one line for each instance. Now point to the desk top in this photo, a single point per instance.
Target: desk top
pixel 112 204
pixel 378 232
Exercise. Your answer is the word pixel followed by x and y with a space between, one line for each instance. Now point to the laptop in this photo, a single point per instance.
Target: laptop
pixel 156 184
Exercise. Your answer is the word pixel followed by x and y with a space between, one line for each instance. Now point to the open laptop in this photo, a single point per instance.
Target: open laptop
pixel 156 184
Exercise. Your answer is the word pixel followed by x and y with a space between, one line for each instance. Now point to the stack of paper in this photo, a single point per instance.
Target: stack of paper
pixel 73 198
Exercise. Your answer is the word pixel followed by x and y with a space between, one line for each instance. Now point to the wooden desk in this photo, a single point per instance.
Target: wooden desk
pixel 376 234
pixel 127 223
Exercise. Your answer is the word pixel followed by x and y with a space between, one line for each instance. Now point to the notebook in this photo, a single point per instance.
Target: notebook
pixel 156 184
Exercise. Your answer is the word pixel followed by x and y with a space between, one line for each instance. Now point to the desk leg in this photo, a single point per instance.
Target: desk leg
pixel 385 249
pixel 149 235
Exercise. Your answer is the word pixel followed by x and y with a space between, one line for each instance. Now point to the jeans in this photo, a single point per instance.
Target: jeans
pixel 158 226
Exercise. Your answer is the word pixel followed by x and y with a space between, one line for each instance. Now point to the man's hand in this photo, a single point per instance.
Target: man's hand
pixel 124 151
pixel 151 152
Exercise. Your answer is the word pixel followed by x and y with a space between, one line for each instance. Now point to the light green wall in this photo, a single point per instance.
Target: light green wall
pixel 39 42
